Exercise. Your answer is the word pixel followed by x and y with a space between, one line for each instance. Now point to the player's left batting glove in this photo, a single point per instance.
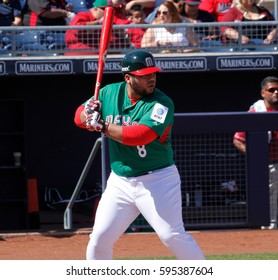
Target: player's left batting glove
pixel 95 123
pixel 92 106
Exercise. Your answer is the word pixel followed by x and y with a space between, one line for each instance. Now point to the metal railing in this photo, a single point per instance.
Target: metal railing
pixel 54 41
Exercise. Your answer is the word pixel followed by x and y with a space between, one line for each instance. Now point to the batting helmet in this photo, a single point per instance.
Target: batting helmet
pixel 139 63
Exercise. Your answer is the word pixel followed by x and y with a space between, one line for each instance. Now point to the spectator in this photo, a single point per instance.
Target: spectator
pixel 137 15
pixel 178 4
pixel 217 8
pixel 152 14
pixel 249 11
pixel 85 39
pixel 148 5
pixel 119 38
pixel 47 12
pixel 89 39
pixel 268 103
pixel 171 36
pixel 10 13
pixel 208 36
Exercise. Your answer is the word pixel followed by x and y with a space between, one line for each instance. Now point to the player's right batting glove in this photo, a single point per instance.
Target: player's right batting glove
pixel 95 123
pixel 92 106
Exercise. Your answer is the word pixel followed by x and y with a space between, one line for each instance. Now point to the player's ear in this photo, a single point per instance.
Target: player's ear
pixel 127 77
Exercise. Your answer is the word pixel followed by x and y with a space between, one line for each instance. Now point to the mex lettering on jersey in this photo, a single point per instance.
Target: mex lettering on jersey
pixel 158 115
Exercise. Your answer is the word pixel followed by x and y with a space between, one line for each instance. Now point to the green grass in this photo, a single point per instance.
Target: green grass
pixel 267 256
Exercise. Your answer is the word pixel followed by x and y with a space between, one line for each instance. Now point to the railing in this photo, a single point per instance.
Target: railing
pixel 50 40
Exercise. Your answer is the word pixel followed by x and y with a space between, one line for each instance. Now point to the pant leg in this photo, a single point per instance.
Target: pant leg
pixel 273 192
pixel 159 201
pixel 115 212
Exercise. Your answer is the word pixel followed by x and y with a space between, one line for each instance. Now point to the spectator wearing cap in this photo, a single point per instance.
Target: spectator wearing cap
pixel 208 36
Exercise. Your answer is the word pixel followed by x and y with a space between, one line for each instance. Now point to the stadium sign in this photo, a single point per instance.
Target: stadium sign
pixel 44 67
pixel 244 63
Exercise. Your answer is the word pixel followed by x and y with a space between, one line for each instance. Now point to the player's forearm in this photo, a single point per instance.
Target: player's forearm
pixel 114 132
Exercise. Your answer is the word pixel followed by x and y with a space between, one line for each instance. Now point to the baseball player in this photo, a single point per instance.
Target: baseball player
pixel 137 118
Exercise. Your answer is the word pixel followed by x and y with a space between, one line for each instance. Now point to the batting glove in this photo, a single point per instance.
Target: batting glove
pixel 92 106
pixel 95 123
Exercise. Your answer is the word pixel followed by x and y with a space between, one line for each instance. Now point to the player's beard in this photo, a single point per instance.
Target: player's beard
pixel 142 92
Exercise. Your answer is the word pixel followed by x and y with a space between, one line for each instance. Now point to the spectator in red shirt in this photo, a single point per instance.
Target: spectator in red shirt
pixel 137 15
pixel 89 39
pixel 84 39
pixel 216 7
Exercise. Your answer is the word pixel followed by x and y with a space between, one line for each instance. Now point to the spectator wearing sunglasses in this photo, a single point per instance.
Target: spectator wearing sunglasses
pixel 169 39
pixel 268 103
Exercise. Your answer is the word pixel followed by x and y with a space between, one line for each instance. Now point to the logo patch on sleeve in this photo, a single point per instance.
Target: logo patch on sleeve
pixel 159 113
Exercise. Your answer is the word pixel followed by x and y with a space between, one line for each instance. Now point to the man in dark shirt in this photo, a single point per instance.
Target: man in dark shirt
pixel 10 13
pixel 46 12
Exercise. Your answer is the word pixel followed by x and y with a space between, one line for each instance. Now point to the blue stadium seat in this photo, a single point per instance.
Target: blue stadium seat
pixel 81 5
pixel 53 40
pixel 30 43
pixel 5 44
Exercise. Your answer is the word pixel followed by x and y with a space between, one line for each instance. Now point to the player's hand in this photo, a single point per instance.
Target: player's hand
pixel 92 106
pixel 94 122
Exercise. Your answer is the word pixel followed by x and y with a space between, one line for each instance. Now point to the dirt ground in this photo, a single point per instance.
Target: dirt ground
pixel 72 246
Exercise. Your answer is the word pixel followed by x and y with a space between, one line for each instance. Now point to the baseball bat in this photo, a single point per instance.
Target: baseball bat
pixel 107 25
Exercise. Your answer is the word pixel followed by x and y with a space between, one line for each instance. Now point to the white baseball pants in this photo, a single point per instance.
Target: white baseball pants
pixel 157 196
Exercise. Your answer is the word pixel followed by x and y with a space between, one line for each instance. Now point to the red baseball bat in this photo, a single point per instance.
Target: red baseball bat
pixel 107 25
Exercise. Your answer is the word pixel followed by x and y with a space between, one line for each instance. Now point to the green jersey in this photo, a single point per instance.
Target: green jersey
pixel 155 111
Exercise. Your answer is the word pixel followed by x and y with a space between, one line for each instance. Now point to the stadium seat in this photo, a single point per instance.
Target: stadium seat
pixel 81 5
pixel 53 40
pixel 5 45
pixel 30 41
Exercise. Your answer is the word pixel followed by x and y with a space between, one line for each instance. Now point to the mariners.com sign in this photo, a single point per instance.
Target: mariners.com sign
pixel 113 65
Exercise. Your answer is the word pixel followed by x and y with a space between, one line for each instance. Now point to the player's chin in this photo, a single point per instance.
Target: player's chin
pixel 150 89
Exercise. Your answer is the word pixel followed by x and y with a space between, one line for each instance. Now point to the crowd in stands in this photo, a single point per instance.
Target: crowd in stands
pixel 142 12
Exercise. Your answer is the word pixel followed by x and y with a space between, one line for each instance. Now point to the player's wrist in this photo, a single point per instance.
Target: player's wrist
pixel 105 126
